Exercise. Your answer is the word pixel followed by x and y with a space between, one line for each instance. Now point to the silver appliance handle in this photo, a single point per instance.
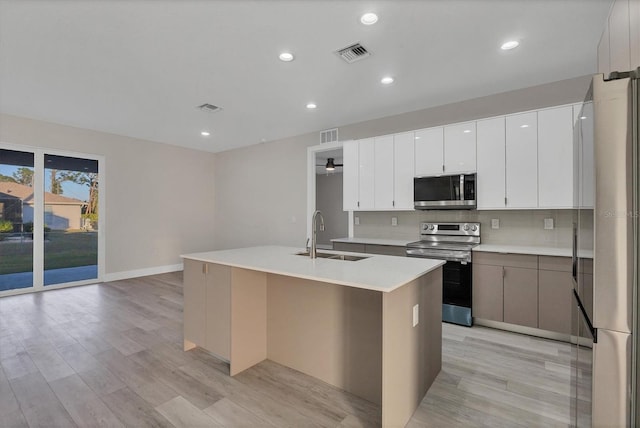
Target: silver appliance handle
pixel 585 317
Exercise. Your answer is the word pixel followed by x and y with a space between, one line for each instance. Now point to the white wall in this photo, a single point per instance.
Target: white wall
pixel 260 190
pixel 159 198
pixel 260 194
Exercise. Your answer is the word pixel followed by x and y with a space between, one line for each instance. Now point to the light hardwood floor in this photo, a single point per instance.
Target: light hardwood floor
pixel 111 355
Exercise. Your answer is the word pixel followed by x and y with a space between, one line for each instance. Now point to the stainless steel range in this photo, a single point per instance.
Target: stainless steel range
pixel 451 242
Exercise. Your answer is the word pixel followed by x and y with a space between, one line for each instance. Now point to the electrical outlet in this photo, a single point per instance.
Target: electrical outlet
pixel 394 221
pixel 495 223
pixel 356 220
pixel 548 223
pixel 416 314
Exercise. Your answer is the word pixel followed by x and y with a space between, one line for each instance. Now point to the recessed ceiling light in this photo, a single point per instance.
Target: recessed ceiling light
pixel 205 133
pixel 387 80
pixel 286 57
pixel 369 18
pixel 311 106
pixel 524 126
pixel 511 44
pixel 466 131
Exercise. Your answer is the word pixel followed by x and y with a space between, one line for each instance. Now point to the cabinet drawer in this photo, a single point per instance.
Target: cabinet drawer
pixel 560 264
pixel 344 246
pixel 500 259
pixel 387 250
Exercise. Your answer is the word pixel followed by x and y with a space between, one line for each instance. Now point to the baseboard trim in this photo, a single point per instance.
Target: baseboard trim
pixel 118 276
pixel 530 331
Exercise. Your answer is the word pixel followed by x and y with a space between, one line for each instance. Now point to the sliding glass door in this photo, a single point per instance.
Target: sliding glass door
pixel 16 219
pixel 70 219
pixel 50 205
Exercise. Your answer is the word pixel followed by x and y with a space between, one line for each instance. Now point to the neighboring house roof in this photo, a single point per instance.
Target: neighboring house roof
pixel 10 190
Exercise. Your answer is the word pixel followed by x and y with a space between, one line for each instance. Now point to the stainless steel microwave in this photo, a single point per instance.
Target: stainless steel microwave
pixel 457 192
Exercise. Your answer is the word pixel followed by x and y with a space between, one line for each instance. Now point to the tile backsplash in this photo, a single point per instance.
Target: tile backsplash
pixel 517 227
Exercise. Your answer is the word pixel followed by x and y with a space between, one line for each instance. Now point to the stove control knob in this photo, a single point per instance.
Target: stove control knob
pixel 466 227
pixel 431 227
pixel 474 228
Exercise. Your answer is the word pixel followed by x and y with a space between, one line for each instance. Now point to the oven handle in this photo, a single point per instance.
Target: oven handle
pixel 416 253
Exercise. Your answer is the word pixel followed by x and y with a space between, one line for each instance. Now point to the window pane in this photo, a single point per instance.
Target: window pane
pixel 16 219
pixel 71 219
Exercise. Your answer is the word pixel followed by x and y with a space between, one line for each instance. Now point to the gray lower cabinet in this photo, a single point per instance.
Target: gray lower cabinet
pixel 505 288
pixel 346 246
pixel 521 296
pixel 487 292
pixel 386 250
pixel 555 294
pixel 207 309
pixel 528 290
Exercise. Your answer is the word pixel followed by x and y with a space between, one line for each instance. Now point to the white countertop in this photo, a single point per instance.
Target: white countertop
pixel 376 272
pixel 376 241
pixel 530 249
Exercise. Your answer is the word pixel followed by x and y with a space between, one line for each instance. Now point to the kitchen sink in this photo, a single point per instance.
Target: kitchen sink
pixel 345 257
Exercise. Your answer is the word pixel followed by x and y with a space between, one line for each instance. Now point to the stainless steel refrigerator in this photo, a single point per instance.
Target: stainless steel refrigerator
pixel 605 254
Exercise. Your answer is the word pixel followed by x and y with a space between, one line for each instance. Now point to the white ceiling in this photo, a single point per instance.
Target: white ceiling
pixel 139 68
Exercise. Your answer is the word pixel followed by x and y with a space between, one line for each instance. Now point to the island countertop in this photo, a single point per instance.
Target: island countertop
pixel 375 272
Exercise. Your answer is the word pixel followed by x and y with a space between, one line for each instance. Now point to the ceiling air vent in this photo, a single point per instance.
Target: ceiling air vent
pixel 209 108
pixel 353 53
pixel 329 136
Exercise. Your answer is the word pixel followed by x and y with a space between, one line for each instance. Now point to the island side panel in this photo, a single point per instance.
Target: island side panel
pixel 411 356
pixel 331 332
pixel 194 279
pixel 218 311
pixel 248 319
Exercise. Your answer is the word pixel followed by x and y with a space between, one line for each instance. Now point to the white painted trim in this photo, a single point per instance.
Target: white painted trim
pixel 117 276
pixel 311 177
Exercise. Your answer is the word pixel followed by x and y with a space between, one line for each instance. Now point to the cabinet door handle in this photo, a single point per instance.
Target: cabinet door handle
pixel 442 168
pixel 205 268
pixel 393 203
pixel 358 204
pixel 505 201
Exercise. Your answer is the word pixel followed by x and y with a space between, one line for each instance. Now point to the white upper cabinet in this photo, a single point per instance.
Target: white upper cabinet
pixel 384 171
pixel 357 175
pixel 378 173
pixel 460 148
pixel 522 160
pixel 350 179
pixel 583 160
pixel 403 155
pixel 555 158
pixel 491 163
pixel 429 151
pixel 366 175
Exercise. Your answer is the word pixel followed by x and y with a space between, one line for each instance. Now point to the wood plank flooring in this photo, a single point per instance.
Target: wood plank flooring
pixel 111 355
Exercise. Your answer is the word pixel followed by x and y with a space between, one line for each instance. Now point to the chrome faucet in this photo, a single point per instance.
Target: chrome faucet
pixel 314 238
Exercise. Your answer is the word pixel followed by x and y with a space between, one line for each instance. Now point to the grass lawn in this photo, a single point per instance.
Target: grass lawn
pixel 61 250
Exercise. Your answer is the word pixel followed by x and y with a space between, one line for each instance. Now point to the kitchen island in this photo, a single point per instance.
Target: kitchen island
pixel 371 326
